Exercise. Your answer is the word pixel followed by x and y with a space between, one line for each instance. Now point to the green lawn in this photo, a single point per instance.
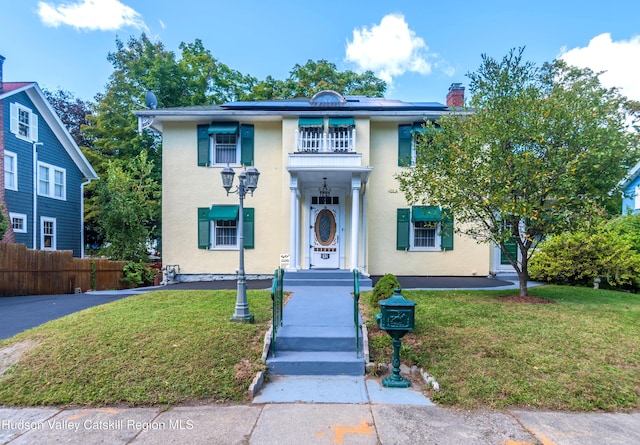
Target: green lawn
pixel 152 349
pixel 581 353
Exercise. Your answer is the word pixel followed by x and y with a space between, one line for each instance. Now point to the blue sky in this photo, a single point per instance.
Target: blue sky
pixel 419 47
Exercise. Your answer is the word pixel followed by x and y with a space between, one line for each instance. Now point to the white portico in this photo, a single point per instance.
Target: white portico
pixel 328 221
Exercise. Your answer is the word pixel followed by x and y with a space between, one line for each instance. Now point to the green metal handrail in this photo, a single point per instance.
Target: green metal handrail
pixel 277 293
pixel 356 312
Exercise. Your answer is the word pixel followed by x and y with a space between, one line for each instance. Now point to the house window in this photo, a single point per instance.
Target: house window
pixel 18 222
pixel 424 234
pixel 424 228
pixel 10 170
pixel 224 143
pixel 48 233
pixel 407 143
pixel 636 201
pixel 24 123
pixel 341 134
pixel 224 148
pixel 225 234
pixel 310 134
pixel 218 227
pixel 51 181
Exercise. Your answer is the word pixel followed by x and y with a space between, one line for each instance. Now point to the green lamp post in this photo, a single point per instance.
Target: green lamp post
pixel 396 317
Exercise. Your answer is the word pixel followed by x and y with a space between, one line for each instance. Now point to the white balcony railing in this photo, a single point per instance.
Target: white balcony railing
pixel 336 140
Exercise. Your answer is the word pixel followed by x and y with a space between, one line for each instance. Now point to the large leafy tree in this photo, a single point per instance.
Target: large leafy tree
pixel 130 201
pixel 539 150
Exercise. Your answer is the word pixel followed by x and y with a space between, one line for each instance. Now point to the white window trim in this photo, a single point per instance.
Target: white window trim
pixel 21 216
pixel 13 155
pixel 44 219
pixel 212 237
pixel 437 240
pixel 212 152
pixel 52 171
pixel 15 109
pixel 636 198
pixel 414 155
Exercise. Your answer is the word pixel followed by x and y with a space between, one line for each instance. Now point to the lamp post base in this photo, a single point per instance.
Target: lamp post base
pixel 243 318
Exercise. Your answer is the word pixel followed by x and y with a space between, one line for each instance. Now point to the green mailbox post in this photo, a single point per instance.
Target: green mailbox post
pixel 397 317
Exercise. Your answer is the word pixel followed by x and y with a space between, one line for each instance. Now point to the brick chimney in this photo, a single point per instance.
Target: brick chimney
pixel 455 96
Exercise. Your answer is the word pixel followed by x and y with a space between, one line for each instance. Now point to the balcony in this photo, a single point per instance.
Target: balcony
pixel 336 140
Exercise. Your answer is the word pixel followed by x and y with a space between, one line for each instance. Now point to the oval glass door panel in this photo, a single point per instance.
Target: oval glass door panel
pixel 325 227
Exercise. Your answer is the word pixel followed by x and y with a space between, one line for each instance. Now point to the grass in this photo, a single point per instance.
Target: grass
pixel 165 348
pixel 580 354
pixel 152 349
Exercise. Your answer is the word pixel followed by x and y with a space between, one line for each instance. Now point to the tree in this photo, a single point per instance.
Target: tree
pixel 128 198
pixel 73 113
pixel 314 76
pixel 538 151
pixel 4 224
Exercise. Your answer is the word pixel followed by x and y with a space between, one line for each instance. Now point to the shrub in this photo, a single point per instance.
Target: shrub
pixel 383 289
pixel 609 251
pixel 138 273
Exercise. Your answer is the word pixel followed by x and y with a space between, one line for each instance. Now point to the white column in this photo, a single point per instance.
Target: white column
pixel 294 225
pixel 355 221
pixel 363 238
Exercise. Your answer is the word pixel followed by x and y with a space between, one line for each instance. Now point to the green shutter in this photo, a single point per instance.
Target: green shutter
pixel 512 250
pixel 246 144
pixel 204 228
pixel 402 229
pixel 446 233
pixel 248 228
pixel 203 145
pixel 404 145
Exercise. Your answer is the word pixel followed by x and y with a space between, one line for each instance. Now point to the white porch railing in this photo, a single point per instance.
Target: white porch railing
pixel 338 140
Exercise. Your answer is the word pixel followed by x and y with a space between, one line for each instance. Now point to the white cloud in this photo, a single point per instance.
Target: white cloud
pixel 391 49
pixel 91 15
pixel 620 59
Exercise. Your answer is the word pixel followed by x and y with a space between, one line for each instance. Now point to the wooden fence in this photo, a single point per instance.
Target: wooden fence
pixel 38 272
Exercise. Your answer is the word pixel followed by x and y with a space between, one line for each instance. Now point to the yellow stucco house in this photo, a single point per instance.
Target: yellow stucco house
pixel 325 197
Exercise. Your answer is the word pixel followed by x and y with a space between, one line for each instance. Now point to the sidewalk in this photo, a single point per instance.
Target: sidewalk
pixel 303 423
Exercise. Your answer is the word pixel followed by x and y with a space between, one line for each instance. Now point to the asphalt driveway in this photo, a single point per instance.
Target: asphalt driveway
pixel 18 314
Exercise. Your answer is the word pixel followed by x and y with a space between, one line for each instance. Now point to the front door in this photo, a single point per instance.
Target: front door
pixel 325 252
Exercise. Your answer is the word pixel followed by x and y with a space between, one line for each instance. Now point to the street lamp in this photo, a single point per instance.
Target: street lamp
pixel 247 182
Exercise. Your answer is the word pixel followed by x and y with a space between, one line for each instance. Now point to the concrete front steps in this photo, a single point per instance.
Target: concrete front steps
pixel 323 277
pixel 317 336
pixel 316 350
